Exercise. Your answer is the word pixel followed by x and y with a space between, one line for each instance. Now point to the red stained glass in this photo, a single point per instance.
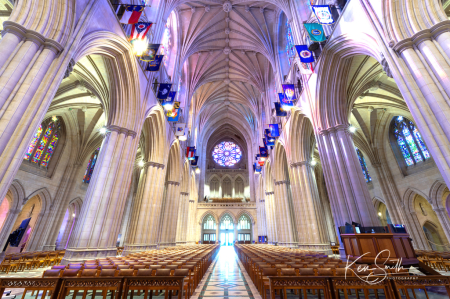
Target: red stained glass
pixel 42 144
pixel 33 143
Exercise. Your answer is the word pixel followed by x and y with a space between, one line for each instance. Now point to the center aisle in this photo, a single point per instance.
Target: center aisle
pixel 226 278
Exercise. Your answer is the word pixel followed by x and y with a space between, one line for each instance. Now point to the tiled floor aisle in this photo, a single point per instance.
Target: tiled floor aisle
pixel 226 278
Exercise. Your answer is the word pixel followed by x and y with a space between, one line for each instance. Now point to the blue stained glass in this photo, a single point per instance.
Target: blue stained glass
pixel 227 153
pixel 412 146
pixel 289 43
pixel 401 143
pixel 418 137
pixel 91 165
pixel 362 161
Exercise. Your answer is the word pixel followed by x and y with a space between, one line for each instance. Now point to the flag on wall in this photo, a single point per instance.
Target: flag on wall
pixel 269 141
pixel 289 92
pixel 175 114
pixel 140 30
pixel 179 129
pixel 304 53
pixel 190 152
pixel 323 14
pixel 194 162
pixel 154 65
pixel 279 111
pixel 163 91
pixel 286 104
pixel 263 152
pixel 315 32
pixel 132 14
pixel 274 130
pixel 150 53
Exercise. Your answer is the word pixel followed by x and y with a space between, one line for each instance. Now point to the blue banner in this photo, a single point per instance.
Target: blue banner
pixel 315 32
pixel 163 91
pixel 304 53
pixel 155 65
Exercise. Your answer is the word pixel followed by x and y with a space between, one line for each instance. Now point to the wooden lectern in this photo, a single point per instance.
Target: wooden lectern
pixel 372 241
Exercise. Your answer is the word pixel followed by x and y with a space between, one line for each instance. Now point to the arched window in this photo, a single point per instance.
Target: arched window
pixel 165 43
pixel 289 43
pixel 362 161
pixel 243 223
pixel 226 223
pixel 209 223
pixel 90 167
pixel 44 142
pixel 409 141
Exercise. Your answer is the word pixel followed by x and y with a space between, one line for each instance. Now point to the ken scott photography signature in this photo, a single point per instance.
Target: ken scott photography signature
pixel 375 278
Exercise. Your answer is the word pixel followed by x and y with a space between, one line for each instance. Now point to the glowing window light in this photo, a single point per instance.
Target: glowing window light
pixel 91 165
pixel 227 153
pixel 42 144
pixel 410 141
pixel 289 43
pixel 33 143
pixel 362 161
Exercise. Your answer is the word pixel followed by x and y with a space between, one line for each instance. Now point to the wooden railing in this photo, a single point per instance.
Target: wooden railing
pixel 341 287
pixel 113 287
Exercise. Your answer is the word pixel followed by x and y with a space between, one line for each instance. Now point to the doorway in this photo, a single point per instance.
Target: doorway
pixel 226 239
pixel 226 231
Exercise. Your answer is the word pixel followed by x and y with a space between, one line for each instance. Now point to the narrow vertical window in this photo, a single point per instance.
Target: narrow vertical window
pixel 90 168
pixel 289 43
pixel 362 161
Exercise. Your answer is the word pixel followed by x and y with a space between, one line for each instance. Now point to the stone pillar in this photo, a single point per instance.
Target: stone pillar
pixel 183 217
pixel 96 232
pixel 414 225
pixel 427 89
pixel 261 218
pixel 217 231
pixel 309 211
pixel 170 215
pixel 26 61
pixel 235 231
pixel 283 214
pixel 7 227
pixel 345 182
pixel 271 223
pixel 145 207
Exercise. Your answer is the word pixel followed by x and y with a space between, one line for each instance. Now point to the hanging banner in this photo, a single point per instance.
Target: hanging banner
pixel 194 162
pixel 150 53
pixel 154 65
pixel 307 68
pixel 190 152
pixel 323 14
pixel 315 32
pixel 269 141
pixel 261 163
pixel 274 130
pixel 263 152
pixel 289 92
pixel 169 103
pixel 163 91
pixel 175 115
pixel 132 14
pixel 140 30
pixel 179 129
pixel 304 53
pixel 280 112
pixel 285 103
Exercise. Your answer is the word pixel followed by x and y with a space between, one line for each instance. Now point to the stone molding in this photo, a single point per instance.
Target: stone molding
pixel 302 163
pixel 154 164
pixel 248 205
pixel 421 36
pixel 270 193
pixel 334 129
pixel 184 193
pixel 282 182
pixel 120 130
pixel 22 32
pixel 191 201
pixel 172 183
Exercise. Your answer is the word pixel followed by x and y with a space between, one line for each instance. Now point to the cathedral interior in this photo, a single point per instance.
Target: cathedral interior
pixel 218 148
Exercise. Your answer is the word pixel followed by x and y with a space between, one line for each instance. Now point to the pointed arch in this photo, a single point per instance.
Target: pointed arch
pixel 205 214
pixel 227 212
pixel 248 214
pixel 436 192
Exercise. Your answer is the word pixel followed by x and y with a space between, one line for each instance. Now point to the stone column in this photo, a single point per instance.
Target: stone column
pixel 310 216
pixel 262 223
pixel 271 223
pixel 183 216
pixel 345 182
pixel 26 62
pixel 96 231
pixel 170 215
pixel 140 235
pixel 7 227
pixel 414 225
pixel 283 215
pixel 217 231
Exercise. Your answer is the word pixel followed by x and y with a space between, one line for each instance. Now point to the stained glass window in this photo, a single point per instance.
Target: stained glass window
pixel 44 142
pixel 209 223
pixel 243 223
pixel 90 167
pixel 410 141
pixel 226 223
pixel 362 161
pixel 227 153
pixel 289 43
pixel 165 43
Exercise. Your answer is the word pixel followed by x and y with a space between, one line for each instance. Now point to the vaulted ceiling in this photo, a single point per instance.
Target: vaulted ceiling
pixel 228 52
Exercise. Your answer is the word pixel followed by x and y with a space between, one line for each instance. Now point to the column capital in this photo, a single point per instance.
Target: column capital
pixel 184 193
pixel 122 130
pixel 301 163
pixel 154 164
pixel 270 193
pixel 191 201
pixel 172 183
pixel 341 127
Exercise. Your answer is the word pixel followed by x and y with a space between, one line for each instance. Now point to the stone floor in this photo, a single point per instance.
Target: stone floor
pixel 226 278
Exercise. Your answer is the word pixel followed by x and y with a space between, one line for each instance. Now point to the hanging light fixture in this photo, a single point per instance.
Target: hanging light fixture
pixel 352 129
pixel 141 163
pixel 102 130
pixel 197 170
